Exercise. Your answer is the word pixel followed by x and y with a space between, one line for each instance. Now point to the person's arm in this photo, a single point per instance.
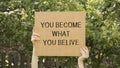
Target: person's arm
pixel 84 54
pixel 80 64
pixel 34 38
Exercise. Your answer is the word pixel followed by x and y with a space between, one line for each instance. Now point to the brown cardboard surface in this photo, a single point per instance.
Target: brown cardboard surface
pixel 68 35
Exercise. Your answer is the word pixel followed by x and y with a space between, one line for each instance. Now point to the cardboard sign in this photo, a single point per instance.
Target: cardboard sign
pixel 61 33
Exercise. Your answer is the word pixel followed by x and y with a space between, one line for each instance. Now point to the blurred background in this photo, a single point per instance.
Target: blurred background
pixel 102 32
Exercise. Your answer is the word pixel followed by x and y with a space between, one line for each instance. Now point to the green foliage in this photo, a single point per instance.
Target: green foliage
pixel 103 33
pixel 102 27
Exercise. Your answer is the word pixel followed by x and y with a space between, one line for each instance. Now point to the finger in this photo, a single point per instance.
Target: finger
pixel 36 34
pixel 86 49
pixel 35 38
pixel 87 52
pixel 82 51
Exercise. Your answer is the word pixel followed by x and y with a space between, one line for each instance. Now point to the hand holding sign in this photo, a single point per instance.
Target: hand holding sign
pixel 84 53
pixel 35 37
